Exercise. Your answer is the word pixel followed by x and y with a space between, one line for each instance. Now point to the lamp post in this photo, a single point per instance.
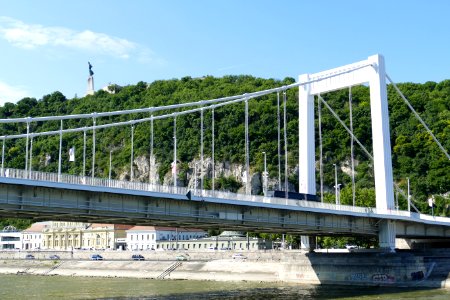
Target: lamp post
pixel 265 175
pixel 110 164
pixel 335 183
pixel 195 179
pixel 339 194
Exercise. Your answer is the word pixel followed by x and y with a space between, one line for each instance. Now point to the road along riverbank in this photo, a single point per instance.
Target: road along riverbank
pixel 431 269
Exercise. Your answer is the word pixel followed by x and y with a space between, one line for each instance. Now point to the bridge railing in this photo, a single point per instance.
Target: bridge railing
pixel 141 186
pixel 90 181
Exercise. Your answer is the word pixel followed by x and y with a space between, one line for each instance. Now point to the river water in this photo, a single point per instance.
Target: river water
pixel 60 287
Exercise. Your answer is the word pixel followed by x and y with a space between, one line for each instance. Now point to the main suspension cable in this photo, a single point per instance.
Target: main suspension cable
pixel 418 116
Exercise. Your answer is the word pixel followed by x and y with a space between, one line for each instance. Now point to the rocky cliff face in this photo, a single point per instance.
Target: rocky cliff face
pixel 191 178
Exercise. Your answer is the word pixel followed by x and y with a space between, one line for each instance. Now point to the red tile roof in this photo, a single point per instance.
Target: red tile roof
pixel 36 227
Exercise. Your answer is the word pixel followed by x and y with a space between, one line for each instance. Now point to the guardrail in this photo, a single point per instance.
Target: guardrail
pixel 141 186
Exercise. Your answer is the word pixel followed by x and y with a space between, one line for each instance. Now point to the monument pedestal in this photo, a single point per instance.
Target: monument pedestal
pixel 90 86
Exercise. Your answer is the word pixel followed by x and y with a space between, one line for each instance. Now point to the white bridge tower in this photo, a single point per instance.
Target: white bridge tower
pixel 371 71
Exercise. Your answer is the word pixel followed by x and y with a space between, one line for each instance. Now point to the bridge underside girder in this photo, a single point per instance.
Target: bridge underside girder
pixel 46 203
pixel 41 203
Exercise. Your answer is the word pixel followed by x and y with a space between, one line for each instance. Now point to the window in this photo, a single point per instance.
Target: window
pixel 148 237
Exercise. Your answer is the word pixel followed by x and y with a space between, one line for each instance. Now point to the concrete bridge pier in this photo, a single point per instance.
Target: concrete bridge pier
pixel 308 242
pixel 387 235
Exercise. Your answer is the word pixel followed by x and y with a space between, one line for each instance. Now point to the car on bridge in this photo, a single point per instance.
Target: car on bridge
pixel 96 257
pixel 54 257
pixel 239 256
pixel 29 256
pixel 351 247
pixel 137 257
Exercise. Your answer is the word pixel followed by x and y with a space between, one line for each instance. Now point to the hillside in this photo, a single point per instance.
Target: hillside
pixel 415 155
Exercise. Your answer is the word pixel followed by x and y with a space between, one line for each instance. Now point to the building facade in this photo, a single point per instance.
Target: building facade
pixel 32 236
pixel 227 240
pixel 10 238
pixel 76 235
pixel 147 237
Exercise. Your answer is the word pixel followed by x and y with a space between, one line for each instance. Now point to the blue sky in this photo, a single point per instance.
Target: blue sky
pixel 45 45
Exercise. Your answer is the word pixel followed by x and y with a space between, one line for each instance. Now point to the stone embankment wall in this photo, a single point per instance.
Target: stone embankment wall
pixel 390 269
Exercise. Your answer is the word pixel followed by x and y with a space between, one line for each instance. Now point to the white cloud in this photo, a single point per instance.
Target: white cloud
pixel 10 93
pixel 31 36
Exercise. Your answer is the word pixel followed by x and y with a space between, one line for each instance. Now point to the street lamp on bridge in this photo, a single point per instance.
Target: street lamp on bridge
pixel 265 175
pixel 336 183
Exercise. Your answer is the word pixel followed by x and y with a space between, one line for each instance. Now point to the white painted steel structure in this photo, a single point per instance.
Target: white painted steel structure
pixel 370 71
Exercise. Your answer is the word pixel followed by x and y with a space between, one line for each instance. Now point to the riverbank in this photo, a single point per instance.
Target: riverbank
pixel 409 269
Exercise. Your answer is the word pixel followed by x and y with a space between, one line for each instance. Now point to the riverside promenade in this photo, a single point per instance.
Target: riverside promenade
pixel 405 268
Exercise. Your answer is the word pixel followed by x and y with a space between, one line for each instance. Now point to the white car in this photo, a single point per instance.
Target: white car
pixel 239 256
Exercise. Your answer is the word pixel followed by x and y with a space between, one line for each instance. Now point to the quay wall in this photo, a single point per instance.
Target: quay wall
pixel 405 268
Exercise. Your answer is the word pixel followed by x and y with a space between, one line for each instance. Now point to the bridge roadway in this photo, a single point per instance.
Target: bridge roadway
pixel 47 196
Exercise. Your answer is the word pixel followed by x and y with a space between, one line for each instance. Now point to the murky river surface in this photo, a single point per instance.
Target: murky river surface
pixel 59 287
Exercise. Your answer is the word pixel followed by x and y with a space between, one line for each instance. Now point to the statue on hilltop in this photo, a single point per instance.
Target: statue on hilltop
pixel 91 73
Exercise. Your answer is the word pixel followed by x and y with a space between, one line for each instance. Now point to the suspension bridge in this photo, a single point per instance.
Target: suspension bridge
pixel 39 195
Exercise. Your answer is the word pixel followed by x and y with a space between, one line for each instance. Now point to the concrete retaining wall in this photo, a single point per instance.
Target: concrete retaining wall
pixel 398 269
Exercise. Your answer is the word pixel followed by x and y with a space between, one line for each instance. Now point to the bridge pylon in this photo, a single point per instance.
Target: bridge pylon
pixel 370 71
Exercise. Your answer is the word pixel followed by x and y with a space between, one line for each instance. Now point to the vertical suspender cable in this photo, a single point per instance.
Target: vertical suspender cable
pixel 285 146
pixel 319 110
pixel 351 145
pixel 60 150
pixel 110 164
pixel 174 166
pixel 3 157
pixel 151 151
pixel 247 160
pixel 279 143
pixel 26 147
pixel 212 149
pixel 132 152
pixel 93 146
pixel 31 154
pixel 201 150
pixel 84 151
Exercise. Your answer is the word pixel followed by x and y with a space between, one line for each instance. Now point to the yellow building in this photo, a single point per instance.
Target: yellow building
pixel 77 235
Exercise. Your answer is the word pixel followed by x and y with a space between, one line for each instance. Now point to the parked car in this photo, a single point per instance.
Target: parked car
pixel 29 256
pixel 239 256
pixel 96 257
pixel 54 256
pixel 137 257
pixel 181 258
